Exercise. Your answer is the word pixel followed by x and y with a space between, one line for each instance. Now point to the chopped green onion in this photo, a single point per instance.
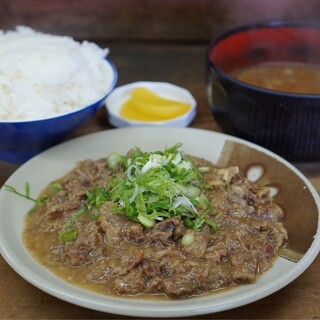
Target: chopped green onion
pixel 191 192
pixel 92 206
pixel 213 224
pixel 199 222
pixel 145 221
pixel 203 201
pixel 94 213
pixel 166 182
pixel 188 223
pixel 96 198
pixel 113 160
pixel 188 239
pixel 75 217
pixel 68 235
pixel 186 203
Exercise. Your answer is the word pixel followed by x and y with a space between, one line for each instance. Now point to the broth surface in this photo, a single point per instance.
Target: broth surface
pixel 287 77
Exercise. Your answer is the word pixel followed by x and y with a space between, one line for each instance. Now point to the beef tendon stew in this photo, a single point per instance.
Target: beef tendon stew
pixel 155 224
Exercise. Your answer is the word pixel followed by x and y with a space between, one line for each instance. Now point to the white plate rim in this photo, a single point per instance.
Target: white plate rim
pixel 49 283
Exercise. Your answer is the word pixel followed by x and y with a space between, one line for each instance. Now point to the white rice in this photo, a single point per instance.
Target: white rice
pixel 44 75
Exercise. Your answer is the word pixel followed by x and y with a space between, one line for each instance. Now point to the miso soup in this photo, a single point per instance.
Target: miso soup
pixel 288 77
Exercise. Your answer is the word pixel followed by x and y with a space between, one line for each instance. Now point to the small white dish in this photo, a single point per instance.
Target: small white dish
pixel 120 95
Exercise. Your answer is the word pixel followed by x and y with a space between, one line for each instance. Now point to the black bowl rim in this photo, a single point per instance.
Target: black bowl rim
pixel 261 25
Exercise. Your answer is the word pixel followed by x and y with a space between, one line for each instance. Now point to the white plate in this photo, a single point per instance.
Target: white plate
pixel 218 148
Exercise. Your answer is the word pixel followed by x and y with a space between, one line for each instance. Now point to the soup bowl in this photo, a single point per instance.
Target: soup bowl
pixel 282 119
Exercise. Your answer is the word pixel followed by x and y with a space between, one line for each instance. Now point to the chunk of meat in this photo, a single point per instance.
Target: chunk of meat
pixel 198 248
pixel 163 232
pixel 113 232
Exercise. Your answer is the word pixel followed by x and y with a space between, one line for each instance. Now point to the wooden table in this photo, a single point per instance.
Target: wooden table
pixel 183 64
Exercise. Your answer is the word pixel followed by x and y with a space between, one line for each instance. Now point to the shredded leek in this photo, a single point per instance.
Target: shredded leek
pixel 188 239
pixel 114 160
pixel 152 186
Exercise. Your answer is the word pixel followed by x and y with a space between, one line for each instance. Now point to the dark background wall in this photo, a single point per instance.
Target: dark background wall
pixel 148 20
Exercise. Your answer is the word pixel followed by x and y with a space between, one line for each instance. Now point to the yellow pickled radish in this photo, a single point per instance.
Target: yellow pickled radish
pixel 129 111
pixel 147 96
pixel 145 105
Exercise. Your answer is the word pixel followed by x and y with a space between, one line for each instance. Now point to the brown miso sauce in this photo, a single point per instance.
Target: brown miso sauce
pixel 286 77
pixel 41 238
pixel 38 244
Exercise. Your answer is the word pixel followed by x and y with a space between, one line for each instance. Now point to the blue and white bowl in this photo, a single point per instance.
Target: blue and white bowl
pixel 22 139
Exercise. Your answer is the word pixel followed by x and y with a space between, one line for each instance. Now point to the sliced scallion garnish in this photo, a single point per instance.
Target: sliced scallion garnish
pixel 155 185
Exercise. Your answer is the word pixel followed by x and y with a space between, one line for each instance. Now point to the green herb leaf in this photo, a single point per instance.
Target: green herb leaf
pixel 26 195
